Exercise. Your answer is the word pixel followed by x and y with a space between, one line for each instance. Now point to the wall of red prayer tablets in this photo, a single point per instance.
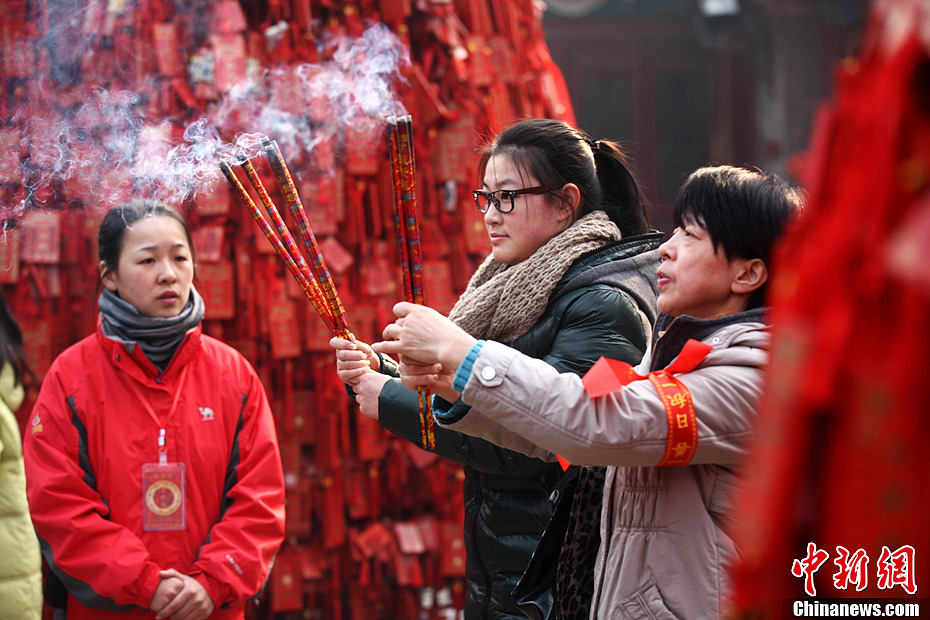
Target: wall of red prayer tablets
pixel 96 94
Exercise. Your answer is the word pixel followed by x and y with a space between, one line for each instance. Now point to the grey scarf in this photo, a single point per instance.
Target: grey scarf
pixel 158 337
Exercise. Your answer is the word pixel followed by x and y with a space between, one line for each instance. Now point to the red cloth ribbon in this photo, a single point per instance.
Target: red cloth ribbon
pixel 607 376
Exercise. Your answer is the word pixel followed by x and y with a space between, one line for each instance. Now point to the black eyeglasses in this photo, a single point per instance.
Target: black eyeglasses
pixel 484 200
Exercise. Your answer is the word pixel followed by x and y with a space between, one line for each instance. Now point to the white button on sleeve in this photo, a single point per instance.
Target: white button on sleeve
pixel 488 373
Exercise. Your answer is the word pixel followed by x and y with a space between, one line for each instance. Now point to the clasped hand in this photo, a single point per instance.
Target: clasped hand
pixel 180 597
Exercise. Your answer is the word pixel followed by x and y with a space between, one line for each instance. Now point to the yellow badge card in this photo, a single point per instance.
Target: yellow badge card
pixel 163 505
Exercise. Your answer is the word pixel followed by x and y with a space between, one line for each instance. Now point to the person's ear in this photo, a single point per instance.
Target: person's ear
pixel 107 277
pixel 750 275
pixel 571 195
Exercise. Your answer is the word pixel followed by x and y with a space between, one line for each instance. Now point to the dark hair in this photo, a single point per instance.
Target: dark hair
pixel 11 342
pixel 556 153
pixel 743 210
pixel 118 219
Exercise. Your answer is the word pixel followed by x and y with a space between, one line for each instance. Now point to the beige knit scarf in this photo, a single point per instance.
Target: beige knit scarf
pixel 502 302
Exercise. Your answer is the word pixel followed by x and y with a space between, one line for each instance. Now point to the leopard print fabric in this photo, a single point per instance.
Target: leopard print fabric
pixel 575 581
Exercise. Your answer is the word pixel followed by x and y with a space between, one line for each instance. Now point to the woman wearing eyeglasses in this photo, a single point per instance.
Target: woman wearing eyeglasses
pixel 571 278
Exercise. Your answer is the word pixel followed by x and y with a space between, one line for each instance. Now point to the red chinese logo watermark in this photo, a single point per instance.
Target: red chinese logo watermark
pixel 851 568
pixel 808 566
pixel 894 568
pixel 897 568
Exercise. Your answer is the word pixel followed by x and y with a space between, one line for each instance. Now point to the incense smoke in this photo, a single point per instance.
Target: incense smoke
pixel 313 104
pixel 97 145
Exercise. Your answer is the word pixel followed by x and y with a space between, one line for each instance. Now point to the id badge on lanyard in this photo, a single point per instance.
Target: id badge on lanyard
pixel 164 503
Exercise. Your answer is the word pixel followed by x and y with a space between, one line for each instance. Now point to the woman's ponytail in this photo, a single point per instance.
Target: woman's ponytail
pixel 621 196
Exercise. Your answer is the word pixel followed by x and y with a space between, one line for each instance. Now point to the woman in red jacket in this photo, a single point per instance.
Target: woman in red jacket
pixel 153 471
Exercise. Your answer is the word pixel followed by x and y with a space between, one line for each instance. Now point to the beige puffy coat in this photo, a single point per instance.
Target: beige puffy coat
pixel 664 552
pixel 21 564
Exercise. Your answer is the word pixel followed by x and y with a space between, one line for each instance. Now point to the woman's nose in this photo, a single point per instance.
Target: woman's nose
pixel 664 250
pixel 492 215
pixel 167 272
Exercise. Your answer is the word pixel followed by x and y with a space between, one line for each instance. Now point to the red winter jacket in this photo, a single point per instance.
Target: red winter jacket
pixel 89 438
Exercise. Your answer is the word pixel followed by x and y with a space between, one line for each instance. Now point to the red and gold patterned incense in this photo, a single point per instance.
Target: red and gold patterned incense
pixel 309 286
pixel 320 270
pixel 412 228
pixel 403 168
pixel 399 220
pixel 317 297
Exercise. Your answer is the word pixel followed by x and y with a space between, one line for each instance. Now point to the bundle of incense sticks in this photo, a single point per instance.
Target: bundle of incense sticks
pixel 314 278
pixel 403 169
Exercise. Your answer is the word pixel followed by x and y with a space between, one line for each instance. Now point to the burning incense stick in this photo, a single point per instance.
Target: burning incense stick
pixel 309 286
pixel 277 220
pixel 292 198
pixel 399 219
pixel 403 168
pixel 318 299
pixel 412 228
